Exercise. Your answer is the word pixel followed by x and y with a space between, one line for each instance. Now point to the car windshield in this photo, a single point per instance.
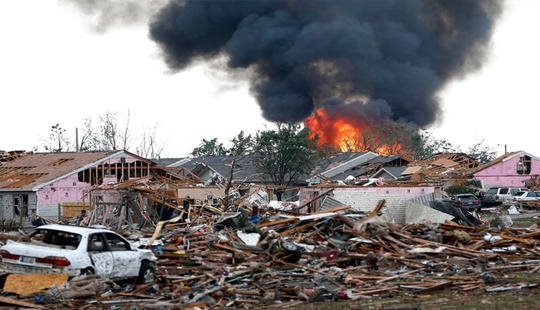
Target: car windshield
pixel 492 191
pixel 56 239
pixel 519 193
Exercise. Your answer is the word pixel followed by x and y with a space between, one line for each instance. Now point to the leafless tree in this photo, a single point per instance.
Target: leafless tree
pixel 89 139
pixel 108 131
pixel 148 146
pixel 58 140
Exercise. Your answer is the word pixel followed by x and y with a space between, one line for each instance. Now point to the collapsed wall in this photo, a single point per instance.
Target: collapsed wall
pixel 366 198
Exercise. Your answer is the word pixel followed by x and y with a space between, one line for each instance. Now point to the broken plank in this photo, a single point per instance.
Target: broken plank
pixel 20 303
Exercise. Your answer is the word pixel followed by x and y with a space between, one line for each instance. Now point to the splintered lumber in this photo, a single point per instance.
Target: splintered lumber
pixel 377 209
pixel 314 199
pixel 279 222
pixel 19 303
pixel 298 228
pixel 295 218
pixel 517 239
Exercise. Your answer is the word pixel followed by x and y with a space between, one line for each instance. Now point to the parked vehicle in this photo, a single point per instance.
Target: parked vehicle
pixel 526 196
pixel 467 201
pixel 78 250
pixel 498 195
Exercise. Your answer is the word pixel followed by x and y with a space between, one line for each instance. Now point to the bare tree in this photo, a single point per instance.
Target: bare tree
pixel 125 137
pixel 242 146
pixel 108 130
pixel 148 146
pixel 89 139
pixel 58 140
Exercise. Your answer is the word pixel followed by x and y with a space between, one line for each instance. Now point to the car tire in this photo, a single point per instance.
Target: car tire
pixel 147 273
pixel 88 271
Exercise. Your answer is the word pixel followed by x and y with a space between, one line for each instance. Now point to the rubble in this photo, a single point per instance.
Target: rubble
pixel 263 252
pixel 222 259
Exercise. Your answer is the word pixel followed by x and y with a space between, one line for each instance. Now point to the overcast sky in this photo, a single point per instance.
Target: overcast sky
pixel 54 68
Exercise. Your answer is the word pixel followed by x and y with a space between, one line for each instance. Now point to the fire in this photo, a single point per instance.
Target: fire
pixel 348 133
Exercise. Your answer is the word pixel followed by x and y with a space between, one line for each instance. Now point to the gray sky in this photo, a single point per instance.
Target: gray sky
pixel 55 68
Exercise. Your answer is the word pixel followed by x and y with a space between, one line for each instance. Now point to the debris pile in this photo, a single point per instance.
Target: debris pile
pixel 441 168
pixel 223 259
pixel 208 258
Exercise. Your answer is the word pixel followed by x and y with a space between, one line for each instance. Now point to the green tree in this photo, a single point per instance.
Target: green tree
pixel 284 154
pixel 209 148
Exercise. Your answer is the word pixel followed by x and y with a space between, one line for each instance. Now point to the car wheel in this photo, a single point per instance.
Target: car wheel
pixel 147 273
pixel 88 271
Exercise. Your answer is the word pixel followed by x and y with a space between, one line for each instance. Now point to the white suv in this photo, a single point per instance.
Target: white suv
pixel 502 194
pixel 78 250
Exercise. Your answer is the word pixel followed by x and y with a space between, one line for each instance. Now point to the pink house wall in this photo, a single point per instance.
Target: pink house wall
pixel 505 173
pixel 70 189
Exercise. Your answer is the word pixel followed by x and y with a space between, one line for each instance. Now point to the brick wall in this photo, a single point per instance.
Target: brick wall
pixel 366 198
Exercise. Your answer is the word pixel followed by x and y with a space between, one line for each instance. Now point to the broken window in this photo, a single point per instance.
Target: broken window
pixel 116 243
pixel 56 238
pixel 16 209
pixel 524 165
pixel 95 243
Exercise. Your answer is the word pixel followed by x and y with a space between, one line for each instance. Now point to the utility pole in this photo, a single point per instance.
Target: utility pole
pixel 76 139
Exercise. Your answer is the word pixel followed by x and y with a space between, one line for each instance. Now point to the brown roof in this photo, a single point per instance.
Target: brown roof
pixel 6 156
pixel 31 170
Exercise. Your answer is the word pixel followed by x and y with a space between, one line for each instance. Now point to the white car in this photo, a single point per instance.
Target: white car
pixel 78 250
pixel 526 196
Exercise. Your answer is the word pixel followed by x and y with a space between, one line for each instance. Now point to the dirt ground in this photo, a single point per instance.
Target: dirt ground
pixel 447 299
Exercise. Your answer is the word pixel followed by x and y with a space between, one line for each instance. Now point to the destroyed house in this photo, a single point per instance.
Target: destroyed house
pixel 216 169
pixel 356 164
pixel 509 170
pixel 440 170
pixel 43 183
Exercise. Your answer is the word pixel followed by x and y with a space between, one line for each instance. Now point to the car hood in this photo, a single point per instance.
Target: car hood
pixel 29 249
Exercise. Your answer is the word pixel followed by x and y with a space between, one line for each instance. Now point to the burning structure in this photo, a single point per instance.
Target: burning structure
pixel 353 64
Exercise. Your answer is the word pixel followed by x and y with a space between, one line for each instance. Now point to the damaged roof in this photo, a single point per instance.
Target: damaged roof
pixel 171 162
pixel 245 170
pixel 6 156
pixel 395 172
pixel 31 170
pixel 503 158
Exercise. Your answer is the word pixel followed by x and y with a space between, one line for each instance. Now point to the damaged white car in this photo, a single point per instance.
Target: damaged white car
pixel 78 250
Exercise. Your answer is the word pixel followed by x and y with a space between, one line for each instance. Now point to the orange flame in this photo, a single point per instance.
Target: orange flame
pixel 347 133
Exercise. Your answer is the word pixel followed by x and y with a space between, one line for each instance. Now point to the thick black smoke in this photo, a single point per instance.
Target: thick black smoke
pixel 304 52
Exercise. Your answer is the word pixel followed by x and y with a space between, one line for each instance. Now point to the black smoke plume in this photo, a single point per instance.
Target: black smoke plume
pixel 395 53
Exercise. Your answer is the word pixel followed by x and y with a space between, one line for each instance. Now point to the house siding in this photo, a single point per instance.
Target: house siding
pixel 505 173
